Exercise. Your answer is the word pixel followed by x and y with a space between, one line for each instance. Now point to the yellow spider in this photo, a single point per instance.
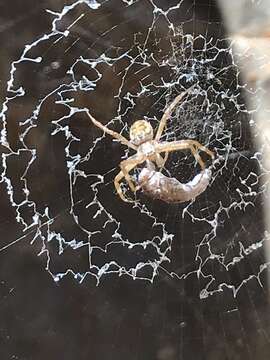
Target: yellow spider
pixel 148 147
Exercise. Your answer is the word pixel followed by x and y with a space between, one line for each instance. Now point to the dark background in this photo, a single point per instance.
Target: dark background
pixel 121 318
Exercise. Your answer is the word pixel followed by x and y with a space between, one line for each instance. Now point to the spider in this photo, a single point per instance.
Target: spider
pixel 149 147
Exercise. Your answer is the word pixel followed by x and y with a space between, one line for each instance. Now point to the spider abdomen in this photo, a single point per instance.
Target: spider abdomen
pixel 140 132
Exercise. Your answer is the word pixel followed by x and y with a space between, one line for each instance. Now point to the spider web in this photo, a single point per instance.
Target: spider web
pixel 58 169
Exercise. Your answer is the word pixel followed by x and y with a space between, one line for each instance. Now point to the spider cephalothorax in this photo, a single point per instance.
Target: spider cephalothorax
pixel 149 149
pixel 140 132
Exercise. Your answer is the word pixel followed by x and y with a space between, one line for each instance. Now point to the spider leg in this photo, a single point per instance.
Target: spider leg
pixel 126 166
pixel 193 145
pixel 117 186
pixel 168 112
pixel 114 134
pixel 199 146
pixel 160 161
pixel 197 157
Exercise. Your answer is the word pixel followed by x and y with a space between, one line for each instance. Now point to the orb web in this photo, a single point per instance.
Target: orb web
pixel 58 169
